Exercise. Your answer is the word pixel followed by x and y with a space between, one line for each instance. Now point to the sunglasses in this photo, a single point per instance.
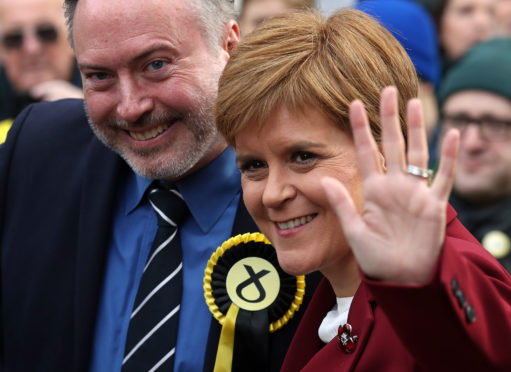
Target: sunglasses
pixel 45 34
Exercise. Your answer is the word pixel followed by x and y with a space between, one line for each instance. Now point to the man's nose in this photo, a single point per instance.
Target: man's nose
pixel 31 44
pixel 133 100
pixel 472 138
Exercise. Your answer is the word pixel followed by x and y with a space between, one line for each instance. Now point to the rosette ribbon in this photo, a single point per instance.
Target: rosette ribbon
pixel 251 296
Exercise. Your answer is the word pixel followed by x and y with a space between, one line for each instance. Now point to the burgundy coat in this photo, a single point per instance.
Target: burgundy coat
pixel 459 321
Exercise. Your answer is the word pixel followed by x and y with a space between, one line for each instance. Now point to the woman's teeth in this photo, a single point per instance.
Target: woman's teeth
pixel 144 136
pixel 296 222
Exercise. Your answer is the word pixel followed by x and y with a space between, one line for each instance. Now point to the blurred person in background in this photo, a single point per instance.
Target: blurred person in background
pixel 255 12
pixel 37 60
pixel 460 25
pixel 476 99
pixel 414 28
pixel 327 7
pixel 503 17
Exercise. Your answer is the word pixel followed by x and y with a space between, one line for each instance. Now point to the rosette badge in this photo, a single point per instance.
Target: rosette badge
pixel 251 297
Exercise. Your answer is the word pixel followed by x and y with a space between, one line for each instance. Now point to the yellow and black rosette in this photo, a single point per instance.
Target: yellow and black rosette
pixel 251 296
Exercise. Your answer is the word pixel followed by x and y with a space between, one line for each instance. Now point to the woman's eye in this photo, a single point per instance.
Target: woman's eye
pixel 303 156
pixel 251 166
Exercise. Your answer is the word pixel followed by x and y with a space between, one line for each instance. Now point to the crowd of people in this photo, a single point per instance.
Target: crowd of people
pixel 341 169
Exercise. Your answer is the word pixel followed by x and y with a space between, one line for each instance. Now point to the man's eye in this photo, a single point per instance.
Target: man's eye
pixel 303 156
pixel 156 65
pixel 99 76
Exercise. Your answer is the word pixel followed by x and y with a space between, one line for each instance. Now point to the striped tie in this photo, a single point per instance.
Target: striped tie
pixel 152 332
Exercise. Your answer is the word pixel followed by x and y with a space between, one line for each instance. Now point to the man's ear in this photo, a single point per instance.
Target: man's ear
pixel 232 36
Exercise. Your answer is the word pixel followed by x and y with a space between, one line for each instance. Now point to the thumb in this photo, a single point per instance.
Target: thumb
pixel 342 203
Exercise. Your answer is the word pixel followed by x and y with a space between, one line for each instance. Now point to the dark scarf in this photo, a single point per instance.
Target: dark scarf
pixel 480 220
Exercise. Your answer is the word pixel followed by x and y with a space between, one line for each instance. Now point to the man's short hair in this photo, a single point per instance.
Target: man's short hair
pixel 212 14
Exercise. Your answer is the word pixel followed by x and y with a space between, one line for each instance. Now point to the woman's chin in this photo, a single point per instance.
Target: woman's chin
pixel 295 267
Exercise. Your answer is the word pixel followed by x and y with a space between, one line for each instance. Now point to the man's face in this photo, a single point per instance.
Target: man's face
pixel 33 42
pixel 484 167
pixel 150 80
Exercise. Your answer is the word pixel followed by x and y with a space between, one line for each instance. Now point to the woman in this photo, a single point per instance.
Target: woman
pixel 461 24
pixel 333 188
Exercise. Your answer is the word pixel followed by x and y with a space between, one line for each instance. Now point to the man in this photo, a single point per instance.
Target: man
pixel 475 97
pixel 77 222
pixel 37 62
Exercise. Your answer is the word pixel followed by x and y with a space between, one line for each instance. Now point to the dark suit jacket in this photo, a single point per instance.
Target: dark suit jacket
pixel 441 326
pixel 57 189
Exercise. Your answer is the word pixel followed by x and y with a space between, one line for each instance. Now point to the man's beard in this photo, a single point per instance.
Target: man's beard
pixel 149 163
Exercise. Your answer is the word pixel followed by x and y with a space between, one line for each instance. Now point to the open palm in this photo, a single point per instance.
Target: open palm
pixel 398 234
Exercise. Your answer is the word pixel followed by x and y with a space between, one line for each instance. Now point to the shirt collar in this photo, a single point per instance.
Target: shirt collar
pixel 221 177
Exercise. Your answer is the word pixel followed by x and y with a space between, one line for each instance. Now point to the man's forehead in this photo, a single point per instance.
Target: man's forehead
pixel 102 29
pixel 134 16
pixel 96 7
pixel 8 5
pixel 477 101
pixel 26 11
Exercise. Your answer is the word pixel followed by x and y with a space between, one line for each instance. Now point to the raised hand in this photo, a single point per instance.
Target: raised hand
pixel 398 234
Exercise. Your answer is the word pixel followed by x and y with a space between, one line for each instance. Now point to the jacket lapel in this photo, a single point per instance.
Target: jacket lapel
pixel 307 351
pixel 101 173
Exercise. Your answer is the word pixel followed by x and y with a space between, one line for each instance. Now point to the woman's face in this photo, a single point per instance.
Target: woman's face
pixel 282 164
pixel 465 23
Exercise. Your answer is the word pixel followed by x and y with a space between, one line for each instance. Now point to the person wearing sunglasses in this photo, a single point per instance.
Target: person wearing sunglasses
pixel 37 61
pixel 475 98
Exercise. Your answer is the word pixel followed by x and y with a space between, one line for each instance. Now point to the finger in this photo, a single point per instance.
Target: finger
pixel 367 150
pixel 392 137
pixel 417 141
pixel 444 178
pixel 343 205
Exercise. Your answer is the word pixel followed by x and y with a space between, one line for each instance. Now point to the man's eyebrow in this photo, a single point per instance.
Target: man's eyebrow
pixel 137 58
pixel 150 51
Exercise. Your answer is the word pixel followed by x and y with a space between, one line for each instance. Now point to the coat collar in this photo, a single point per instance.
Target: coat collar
pixel 303 352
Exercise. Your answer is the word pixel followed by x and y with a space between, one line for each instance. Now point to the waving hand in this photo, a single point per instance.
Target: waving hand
pixel 398 235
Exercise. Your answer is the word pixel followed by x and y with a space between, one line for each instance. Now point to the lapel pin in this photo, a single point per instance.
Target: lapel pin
pixel 347 342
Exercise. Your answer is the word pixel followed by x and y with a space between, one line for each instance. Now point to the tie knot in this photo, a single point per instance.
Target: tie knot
pixel 169 205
